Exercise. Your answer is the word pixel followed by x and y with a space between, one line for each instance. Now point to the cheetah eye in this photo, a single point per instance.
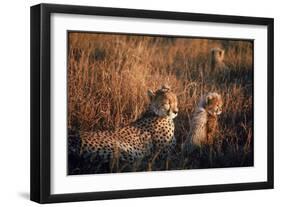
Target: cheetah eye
pixel 166 105
pixel 219 107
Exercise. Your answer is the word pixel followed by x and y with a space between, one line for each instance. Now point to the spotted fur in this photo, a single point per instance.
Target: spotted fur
pixel 152 133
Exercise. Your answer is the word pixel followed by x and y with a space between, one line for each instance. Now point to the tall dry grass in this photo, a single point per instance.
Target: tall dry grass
pixel 109 75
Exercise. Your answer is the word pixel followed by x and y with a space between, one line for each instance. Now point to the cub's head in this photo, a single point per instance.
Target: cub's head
pixel 163 102
pixel 217 54
pixel 212 103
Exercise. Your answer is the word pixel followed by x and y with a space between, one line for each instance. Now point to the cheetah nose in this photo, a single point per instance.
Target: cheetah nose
pixel 175 111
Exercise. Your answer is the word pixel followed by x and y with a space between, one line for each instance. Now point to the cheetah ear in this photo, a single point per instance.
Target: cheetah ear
pixel 165 88
pixel 221 53
pixel 209 99
pixel 150 94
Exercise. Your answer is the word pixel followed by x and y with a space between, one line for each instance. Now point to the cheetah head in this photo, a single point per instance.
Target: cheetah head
pixel 163 102
pixel 217 54
pixel 212 103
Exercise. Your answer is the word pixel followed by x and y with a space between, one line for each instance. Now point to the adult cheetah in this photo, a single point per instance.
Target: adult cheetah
pixel 152 134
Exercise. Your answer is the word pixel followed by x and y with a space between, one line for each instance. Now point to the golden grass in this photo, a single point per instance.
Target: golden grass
pixel 109 75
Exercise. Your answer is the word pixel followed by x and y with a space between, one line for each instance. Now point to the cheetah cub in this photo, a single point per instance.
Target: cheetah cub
pixel 217 59
pixel 204 124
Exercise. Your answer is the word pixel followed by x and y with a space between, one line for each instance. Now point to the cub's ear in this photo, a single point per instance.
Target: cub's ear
pixel 222 52
pixel 150 94
pixel 209 99
pixel 165 88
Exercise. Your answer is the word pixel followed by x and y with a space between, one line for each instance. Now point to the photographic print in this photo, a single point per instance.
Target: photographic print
pixel 139 102
pixel 123 100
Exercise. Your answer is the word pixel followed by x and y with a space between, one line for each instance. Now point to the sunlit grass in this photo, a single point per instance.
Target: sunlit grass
pixel 109 75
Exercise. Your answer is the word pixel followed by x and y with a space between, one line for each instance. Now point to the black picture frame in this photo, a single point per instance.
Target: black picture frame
pixel 41 98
